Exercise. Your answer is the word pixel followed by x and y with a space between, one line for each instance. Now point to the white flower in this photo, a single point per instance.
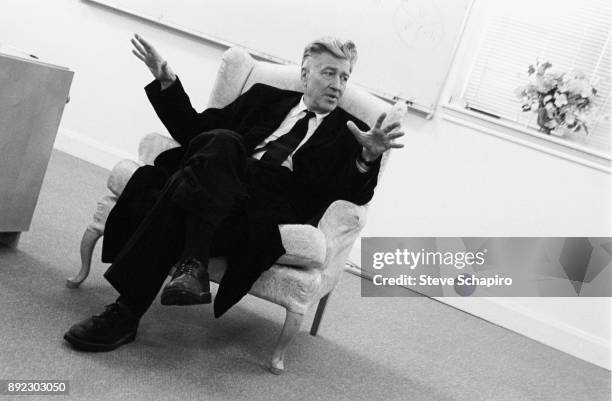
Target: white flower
pixel 560 100
pixel 580 87
pixel 520 91
pixel 532 80
pixel 574 86
pixel 545 83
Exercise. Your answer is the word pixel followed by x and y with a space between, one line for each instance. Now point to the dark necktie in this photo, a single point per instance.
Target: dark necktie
pixel 277 151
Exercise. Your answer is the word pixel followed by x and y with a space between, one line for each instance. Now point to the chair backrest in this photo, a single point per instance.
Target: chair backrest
pixel 239 71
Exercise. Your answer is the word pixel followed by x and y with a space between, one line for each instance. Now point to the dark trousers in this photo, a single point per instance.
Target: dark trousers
pixel 215 184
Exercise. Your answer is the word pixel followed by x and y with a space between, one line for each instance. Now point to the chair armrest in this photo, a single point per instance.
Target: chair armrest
pixel 120 175
pixel 341 224
pixel 342 219
pixel 305 246
pixel 151 145
pixel 308 247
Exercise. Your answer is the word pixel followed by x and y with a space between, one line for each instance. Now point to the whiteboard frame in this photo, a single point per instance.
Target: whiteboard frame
pixel 426 110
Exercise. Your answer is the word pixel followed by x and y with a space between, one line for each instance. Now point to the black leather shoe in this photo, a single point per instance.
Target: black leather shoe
pixel 189 285
pixel 110 329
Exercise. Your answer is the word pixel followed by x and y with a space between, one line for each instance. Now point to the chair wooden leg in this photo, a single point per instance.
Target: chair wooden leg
pixel 319 314
pixel 291 327
pixel 88 243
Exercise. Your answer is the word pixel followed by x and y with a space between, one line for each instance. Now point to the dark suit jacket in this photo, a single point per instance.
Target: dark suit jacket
pixel 324 168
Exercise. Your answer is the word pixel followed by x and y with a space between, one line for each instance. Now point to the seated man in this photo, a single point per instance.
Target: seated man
pixel 270 157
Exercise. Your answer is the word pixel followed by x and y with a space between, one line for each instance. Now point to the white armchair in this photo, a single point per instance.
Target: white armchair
pixel 315 257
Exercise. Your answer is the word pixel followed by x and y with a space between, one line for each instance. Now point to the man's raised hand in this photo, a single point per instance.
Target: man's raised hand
pixel 152 59
pixel 377 140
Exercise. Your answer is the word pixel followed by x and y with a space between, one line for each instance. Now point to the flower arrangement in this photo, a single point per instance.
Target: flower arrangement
pixel 562 101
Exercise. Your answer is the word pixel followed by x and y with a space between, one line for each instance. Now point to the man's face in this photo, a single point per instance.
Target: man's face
pixel 324 78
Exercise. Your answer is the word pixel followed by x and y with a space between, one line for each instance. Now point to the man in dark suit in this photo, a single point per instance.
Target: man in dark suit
pixel 270 157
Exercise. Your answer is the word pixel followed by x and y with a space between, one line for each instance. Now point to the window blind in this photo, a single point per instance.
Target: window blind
pixel 570 35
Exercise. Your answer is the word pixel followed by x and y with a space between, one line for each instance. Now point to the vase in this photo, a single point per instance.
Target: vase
pixel 543 120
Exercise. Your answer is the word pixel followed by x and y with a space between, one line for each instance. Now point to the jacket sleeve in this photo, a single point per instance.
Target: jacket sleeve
pixel 350 183
pixel 355 186
pixel 174 109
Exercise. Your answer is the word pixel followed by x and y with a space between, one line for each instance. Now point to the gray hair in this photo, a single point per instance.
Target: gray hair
pixel 345 50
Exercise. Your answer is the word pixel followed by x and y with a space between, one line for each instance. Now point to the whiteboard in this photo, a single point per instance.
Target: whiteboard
pixel 405 46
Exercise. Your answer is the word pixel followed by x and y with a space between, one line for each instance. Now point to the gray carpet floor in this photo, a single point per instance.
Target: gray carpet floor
pixel 409 348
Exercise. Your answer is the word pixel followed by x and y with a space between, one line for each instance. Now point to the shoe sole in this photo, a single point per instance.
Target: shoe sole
pixel 82 345
pixel 176 296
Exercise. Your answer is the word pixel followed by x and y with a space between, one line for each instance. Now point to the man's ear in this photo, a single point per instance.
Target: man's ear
pixel 304 76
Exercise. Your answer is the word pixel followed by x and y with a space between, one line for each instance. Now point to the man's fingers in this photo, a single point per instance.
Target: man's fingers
pixel 353 128
pixel 391 127
pixel 142 41
pixel 397 145
pixel 140 56
pixel 138 47
pixel 380 120
pixel 395 135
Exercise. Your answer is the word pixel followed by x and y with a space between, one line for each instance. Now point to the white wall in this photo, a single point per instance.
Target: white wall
pixel 108 107
pixel 455 181
pixel 448 181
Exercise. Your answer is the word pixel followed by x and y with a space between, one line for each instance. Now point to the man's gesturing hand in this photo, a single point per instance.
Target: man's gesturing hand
pixel 158 66
pixel 377 140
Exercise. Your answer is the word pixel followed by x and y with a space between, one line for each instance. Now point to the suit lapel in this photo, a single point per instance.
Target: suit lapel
pixel 270 113
pixel 275 112
pixel 323 133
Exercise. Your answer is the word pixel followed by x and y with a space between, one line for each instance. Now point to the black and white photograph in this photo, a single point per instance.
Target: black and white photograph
pixel 305 200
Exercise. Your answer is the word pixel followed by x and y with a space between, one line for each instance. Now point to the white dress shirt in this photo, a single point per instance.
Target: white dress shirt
pixel 294 115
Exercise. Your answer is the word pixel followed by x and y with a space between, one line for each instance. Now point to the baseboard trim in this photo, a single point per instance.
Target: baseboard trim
pixel 553 333
pixel 507 314
pixel 90 150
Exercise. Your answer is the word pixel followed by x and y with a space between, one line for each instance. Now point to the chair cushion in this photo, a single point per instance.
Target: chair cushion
pixel 236 65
